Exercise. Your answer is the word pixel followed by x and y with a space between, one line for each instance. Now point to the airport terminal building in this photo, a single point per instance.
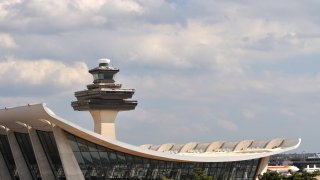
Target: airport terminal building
pixel 35 143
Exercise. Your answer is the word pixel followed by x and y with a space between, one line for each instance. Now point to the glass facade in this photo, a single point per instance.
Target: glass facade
pixel 28 154
pixel 50 148
pixel 8 157
pixel 97 162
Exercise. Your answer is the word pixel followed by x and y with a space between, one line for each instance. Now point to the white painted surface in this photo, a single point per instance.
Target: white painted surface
pixel 40 111
pixel 104 122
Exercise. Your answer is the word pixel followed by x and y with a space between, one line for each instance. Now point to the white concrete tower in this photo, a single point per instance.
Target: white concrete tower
pixel 104 99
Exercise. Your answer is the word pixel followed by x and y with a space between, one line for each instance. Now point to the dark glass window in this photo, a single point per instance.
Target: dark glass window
pixel 28 154
pixel 106 76
pixel 50 148
pixel 101 76
pixel 97 162
pixel 8 156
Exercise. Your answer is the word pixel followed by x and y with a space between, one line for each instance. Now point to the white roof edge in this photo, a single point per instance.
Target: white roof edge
pixel 121 146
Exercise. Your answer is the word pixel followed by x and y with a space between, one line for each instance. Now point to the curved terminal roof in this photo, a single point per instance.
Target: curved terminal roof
pixel 40 117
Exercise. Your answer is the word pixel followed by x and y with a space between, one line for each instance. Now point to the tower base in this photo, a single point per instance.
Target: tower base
pixel 104 122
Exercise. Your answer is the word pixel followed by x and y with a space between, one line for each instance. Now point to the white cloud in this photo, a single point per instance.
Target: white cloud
pixel 194 55
pixel 226 47
pixel 278 83
pixel 6 41
pixel 226 44
pixel 248 114
pixel 287 112
pixel 60 15
pixel 43 72
pixel 55 8
pixel 228 125
pixel 5 6
pixel 17 101
pixel 125 6
pixel 85 5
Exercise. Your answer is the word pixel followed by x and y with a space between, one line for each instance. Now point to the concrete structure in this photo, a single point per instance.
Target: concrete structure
pixel 104 99
pixel 37 144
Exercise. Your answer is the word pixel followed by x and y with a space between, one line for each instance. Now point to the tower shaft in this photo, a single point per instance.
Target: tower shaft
pixel 104 122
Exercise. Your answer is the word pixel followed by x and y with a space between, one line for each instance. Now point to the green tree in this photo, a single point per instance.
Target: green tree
pixel 199 174
pixel 304 175
pixel 165 178
pixel 316 173
pixel 271 175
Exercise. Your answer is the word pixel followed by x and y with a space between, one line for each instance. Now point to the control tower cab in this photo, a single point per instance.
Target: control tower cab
pixel 104 99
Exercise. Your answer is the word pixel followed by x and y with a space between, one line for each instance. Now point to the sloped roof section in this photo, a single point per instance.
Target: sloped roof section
pixel 222 147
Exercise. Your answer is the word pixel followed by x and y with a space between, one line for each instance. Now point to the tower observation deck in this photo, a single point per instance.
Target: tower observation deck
pixel 104 99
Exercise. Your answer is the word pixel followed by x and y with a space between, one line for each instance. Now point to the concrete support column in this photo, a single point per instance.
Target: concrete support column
pixel 69 162
pixel 42 161
pixel 104 122
pixel 262 166
pixel 4 171
pixel 21 164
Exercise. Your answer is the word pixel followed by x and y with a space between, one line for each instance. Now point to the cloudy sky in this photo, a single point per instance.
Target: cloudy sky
pixel 203 70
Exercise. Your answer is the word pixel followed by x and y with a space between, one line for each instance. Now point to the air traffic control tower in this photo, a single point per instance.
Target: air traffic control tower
pixel 104 99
